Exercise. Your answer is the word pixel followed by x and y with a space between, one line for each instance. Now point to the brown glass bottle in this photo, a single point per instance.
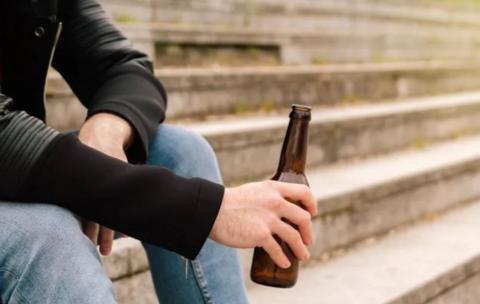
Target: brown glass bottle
pixel 291 169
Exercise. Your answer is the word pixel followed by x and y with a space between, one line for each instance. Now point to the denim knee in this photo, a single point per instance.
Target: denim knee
pixel 185 152
pixel 40 231
pixel 48 258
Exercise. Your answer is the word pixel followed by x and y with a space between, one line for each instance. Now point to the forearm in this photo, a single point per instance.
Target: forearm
pixel 107 74
pixel 148 203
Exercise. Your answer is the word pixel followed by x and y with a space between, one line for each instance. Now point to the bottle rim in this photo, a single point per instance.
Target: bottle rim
pixel 302 108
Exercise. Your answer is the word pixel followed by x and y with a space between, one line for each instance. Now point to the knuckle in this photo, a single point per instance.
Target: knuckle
pixel 270 219
pixel 264 235
pixel 270 184
pixel 274 202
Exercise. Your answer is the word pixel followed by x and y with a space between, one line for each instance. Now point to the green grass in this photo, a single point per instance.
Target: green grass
pixel 420 143
pixel 318 61
pixel 122 18
pixel 240 107
pixel 267 106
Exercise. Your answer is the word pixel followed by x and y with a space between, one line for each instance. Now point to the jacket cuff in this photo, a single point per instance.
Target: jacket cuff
pixel 209 201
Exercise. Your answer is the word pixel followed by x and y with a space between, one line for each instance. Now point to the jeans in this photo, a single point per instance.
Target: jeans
pixel 45 257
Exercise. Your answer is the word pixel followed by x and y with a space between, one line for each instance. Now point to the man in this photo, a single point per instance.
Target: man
pixel 173 204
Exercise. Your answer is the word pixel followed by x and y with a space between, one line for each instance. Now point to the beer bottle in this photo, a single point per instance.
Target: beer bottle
pixel 291 169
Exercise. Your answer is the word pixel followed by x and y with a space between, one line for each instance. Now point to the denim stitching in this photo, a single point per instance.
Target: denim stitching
pixel 202 281
pixel 15 278
pixel 14 293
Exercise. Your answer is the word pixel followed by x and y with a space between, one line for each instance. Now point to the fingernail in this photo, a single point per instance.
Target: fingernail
pixel 286 264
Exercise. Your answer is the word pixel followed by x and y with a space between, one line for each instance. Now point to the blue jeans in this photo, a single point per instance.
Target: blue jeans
pixel 45 258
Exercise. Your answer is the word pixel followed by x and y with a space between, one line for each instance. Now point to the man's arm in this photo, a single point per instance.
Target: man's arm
pixel 37 164
pixel 115 82
pixel 109 134
pixel 107 74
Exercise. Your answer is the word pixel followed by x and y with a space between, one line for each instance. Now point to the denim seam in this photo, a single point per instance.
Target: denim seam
pixel 15 278
pixel 202 281
pixel 14 292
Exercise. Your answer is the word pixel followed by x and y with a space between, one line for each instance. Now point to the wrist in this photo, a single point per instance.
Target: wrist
pixel 107 128
pixel 215 228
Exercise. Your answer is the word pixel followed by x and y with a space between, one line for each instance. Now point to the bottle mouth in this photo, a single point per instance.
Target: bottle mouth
pixel 301 112
pixel 301 108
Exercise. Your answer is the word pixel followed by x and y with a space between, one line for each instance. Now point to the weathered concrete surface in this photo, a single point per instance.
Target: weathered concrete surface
pixel 128 268
pixel 127 257
pixel 341 134
pixel 137 289
pixel 465 293
pixel 318 46
pixel 206 91
pixel 241 13
pixel 130 11
pixel 370 197
pixel 200 92
pixel 325 31
pixel 422 264
pixel 307 14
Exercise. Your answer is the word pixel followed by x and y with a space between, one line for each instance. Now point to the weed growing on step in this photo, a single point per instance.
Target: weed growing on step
pixel 122 18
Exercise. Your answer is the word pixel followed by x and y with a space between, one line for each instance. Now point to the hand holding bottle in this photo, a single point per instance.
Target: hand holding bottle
pixel 251 214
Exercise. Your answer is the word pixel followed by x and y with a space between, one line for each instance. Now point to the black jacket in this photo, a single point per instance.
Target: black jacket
pixel 38 164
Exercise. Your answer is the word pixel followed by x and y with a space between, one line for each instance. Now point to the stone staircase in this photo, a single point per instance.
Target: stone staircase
pixel 199 92
pixel 437 261
pixel 393 182
pixel 394 155
pixel 392 166
pixel 306 31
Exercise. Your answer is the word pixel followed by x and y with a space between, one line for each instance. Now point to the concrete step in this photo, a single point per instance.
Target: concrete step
pixel 203 91
pixel 435 262
pixel 343 31
pixel 266 13
pixel 342 133
pixel 311 46
pixel 361 200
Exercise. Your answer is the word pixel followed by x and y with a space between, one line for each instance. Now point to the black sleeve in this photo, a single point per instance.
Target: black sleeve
pixel 107 74
pixel 37 164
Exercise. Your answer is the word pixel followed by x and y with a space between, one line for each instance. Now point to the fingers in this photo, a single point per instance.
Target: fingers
pixel 99 236
pixel 91 230
pixel 291 236
pixel 275 252
pixel 299 217
pixel 105 240
pixel 297 192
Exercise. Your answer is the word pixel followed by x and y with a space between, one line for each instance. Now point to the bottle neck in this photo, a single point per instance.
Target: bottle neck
pixel 294 150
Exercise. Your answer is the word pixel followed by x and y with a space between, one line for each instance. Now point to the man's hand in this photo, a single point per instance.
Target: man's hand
pixel 108 134
pixel 251 214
